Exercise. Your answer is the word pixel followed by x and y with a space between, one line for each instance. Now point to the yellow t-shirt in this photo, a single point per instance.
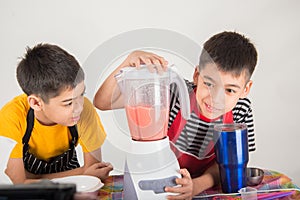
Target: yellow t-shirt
pixel 49 141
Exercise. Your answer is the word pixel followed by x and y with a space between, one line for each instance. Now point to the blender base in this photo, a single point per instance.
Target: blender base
pixel 148 171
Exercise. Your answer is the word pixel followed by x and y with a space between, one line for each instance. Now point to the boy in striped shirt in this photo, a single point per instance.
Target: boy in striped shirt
pixel 218 94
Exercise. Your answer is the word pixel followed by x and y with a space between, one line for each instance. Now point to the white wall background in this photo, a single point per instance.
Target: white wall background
pixel 81 26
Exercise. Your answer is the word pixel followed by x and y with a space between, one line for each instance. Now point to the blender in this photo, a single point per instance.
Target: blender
pixel 150 164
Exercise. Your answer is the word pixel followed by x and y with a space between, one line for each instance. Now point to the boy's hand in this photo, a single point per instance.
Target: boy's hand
pixel 186 189
pixel 100 170
pixel 151 60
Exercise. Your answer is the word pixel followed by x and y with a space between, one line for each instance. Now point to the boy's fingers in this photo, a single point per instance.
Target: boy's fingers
pixel 178 197
pixel 181 181
pixel 137 63
pixel 185 173
pixel 102 164
pixel 147 61
pixel 110 167
pixel 165 64
pixel 180 193
pixel 158 66
pixel 160 61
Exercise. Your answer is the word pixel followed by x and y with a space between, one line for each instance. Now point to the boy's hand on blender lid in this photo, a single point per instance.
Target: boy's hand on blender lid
pixel 154 63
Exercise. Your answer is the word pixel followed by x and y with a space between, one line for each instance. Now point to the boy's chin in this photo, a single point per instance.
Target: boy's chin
pixel 72 124
pixel 212 116
pixel 69 123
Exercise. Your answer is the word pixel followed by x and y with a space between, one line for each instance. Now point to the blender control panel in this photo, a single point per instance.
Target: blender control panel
pixel 158 185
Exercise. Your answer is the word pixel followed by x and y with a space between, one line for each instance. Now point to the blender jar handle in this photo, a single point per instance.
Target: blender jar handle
pixel 184 97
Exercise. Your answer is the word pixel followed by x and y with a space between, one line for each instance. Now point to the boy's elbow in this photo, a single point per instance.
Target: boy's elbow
pixel 105 102
pixel 99 104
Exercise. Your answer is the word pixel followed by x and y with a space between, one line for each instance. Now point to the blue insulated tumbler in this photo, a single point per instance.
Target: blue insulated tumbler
pixel 231 149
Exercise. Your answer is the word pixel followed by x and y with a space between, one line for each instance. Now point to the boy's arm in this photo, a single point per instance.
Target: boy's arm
pixel 93 166
pixel 15 169
pixel 108 95
pixel 209 179
pixel 16 172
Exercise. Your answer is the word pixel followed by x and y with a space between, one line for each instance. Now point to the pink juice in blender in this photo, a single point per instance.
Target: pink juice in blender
pixel 147 123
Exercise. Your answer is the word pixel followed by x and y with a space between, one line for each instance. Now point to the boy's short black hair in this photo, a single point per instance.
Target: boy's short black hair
pixel 46 70
pixel 231 52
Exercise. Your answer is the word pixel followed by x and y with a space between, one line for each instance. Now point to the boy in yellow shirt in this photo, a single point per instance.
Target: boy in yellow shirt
pixel 51 118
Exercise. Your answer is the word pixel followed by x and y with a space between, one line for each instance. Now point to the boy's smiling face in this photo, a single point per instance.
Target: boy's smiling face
pixel 218 92
pixel 64 109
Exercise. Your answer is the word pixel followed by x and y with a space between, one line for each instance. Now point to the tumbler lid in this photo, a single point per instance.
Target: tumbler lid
pixel 230 127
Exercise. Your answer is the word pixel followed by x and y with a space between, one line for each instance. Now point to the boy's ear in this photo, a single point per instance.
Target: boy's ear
pixel 35 102
pixel 247 89
pixel 195 75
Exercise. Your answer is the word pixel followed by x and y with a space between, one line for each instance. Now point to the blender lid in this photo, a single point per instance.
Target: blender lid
pixel 142 73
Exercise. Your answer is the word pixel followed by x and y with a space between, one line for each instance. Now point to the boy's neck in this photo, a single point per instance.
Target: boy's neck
pixel 42 119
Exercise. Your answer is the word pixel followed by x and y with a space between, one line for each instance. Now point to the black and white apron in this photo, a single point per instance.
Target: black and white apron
pixel 66 161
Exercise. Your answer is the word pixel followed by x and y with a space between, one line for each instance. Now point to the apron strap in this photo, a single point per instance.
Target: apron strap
pixel 74 133
pixel 30 124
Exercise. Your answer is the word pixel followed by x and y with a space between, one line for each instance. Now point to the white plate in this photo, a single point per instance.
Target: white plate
pixel 83 183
